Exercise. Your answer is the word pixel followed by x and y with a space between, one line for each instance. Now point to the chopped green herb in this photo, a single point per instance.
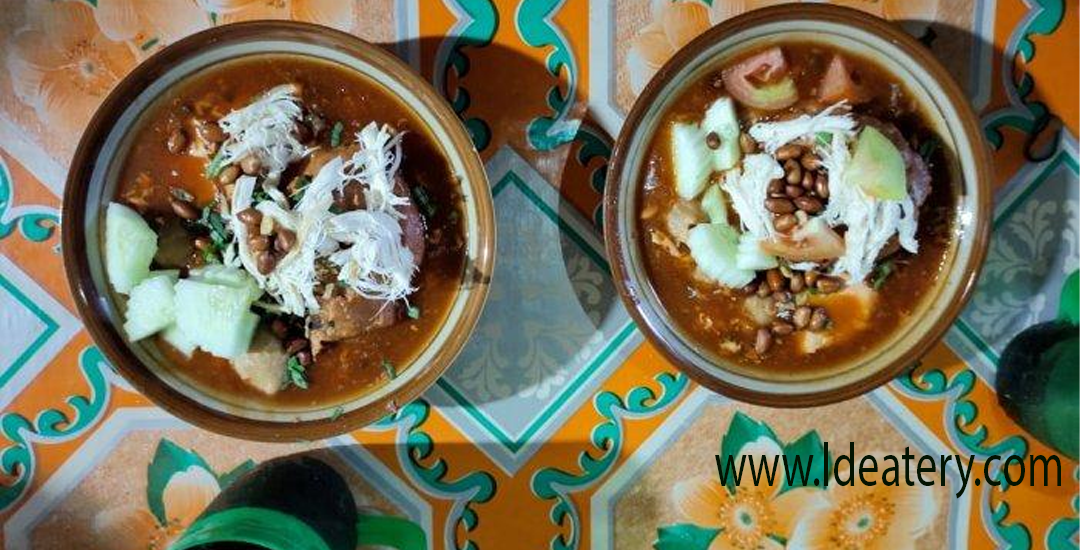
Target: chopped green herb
pixel 335 134
pixel 823 138
pixel 882 272
pixel 210 255
pixel 413 312
pixel 928 147
pixel 297 374
pixel 216 165
pixel 389 368
pixel 300 185
pixel 220 235
pixel 423 201
pixel 259 195
pixel 338 411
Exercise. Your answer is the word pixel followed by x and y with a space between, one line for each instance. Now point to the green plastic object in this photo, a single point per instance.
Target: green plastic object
pixel 294 503
pixel 1039 375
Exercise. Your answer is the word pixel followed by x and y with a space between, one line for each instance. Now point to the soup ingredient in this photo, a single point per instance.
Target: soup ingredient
pixel 877 167
pixel 263 131
pixel 691 159
pixel 780 137
pixel 178 339
pixel 714 248
pixel 130 246
pixel 839 83
pixel 263 366
pixel 748 188
pixel 762 81
pixel 216 317
pixel 714 204
pixel 751 257
pixel 229 276
pixel 720 121
pixel 150 306
pixel 814 241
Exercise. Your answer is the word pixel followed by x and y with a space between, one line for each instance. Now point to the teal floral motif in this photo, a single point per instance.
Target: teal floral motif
pixel 971 437
pixel 1028 116
pixel 51 426
pixel 537 28
pixel 1062 532
pixel 594 144
pixel 754 514
pixel 477 33
pixel 35 223
pixel 179 486
pixel 416 450
pixel 965 431
pixel 607 438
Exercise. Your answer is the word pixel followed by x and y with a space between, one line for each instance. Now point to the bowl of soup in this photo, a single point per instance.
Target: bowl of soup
pixel 798 205
pixel 277 231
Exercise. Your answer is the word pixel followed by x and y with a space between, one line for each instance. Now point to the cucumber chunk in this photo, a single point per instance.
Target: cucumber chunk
pixel 877 166
pixel 750 256
pixel 216 317
pixel 229 276
pixel 691 159
pixel 178 339
pixel 714 203
pixel 130 246
pixel 714 247
pixel 150 307
pixel 720 118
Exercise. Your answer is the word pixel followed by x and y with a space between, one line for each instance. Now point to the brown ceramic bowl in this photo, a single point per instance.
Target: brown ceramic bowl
pixel 951 117
pixel 92 181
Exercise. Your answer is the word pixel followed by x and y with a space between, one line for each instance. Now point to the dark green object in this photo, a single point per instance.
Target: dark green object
pixel 1039 373
pixel 293 503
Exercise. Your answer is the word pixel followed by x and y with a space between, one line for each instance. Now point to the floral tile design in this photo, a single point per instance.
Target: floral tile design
pixel 688 509
pixel 1032 250
pixel 144 476
pixel 34 326
pixel 552 322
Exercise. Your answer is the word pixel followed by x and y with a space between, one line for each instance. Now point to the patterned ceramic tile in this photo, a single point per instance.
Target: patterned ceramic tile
pixel 552 323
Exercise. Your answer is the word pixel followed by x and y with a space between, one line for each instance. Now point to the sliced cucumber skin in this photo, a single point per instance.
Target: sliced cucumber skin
pixel 691 158
pixel 714 203
pixel 720 118
pixel 216 317
pixel 150 308
pixel 877 167
pixel 130 246
pixel 714 248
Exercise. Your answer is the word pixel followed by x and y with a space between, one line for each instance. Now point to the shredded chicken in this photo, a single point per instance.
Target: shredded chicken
pixel 774 135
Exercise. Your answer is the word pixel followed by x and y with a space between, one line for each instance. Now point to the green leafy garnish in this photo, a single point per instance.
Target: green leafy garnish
pixel 423 201
pixel 300 185
pixel 413 312
pixel 216 165
pixel 297 374
pixel 387 366
pixel 220 234
pixel 882 272
pixel 258 195
pixel 335 134
pixel 823 139
pixel 338 411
